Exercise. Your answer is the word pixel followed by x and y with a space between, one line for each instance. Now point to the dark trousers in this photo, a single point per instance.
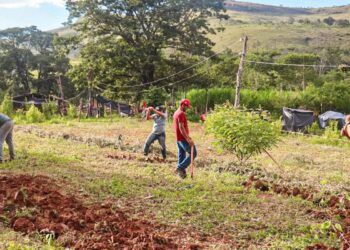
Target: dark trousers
pixel 151 138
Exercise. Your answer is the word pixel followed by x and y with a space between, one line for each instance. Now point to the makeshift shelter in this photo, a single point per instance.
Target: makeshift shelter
pixel 21 100
pixel 326 117
pixel 296 119
pixel 122 108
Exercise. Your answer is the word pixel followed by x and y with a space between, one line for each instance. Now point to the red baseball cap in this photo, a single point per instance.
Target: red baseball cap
pixel 185 102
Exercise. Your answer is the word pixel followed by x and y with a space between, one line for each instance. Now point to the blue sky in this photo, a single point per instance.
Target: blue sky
pixel 50 14
pixel 45 14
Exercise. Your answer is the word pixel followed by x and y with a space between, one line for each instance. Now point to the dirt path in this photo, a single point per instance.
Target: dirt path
pixel 37 204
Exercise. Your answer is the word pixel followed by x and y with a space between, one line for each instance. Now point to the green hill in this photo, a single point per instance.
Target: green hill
pixel 278 27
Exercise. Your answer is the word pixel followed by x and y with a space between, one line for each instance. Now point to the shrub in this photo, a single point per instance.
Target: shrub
pixel 6 106
pixel 72 111
pixel 49 109
pixel 315 129
pixel 33 115
pixel 240 132
pixel 331 131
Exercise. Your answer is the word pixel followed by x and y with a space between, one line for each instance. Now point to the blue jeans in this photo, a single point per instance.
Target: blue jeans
pixel 151 138
pixel 183 160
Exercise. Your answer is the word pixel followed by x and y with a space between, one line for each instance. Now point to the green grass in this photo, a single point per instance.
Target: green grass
pixel 212 203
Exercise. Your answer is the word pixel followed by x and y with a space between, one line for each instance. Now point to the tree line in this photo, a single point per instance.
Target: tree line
pixel 135 50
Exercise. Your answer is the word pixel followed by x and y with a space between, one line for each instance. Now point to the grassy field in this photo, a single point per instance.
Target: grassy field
pixel 215 203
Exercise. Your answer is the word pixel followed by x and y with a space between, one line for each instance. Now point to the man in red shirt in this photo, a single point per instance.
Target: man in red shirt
pixel 184 141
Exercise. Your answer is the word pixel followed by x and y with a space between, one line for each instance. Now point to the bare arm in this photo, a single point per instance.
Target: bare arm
pixel 148 114
pixel 157 112
pixel 161 114
pixel 184 134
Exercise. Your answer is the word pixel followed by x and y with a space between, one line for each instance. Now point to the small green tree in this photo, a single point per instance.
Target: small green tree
pixel 72 111
pixel 241 132
pixel 49 109
pixel 6 106
pixel 34 115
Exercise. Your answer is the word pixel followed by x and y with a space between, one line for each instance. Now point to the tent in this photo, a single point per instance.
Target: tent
pixel 296 119
pixel 121 107
pixel 331 115
pixel 32 98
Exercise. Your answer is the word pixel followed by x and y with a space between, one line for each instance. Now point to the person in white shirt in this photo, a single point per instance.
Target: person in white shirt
pixel 159 118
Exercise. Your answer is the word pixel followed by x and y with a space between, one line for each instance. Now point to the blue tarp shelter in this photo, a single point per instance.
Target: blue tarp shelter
pixel 296 120
pixel 331 115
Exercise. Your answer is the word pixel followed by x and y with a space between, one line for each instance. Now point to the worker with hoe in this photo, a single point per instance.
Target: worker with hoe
pixel 345 131
pixel 184 141
pixel 159 117
pixel 6 128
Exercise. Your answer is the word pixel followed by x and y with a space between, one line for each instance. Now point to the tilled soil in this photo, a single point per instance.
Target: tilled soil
pixel 35 204
pixel 335 206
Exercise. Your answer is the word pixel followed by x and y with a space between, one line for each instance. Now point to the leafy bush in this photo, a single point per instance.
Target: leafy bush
pixel 49 109
pixel 72 111
pixel 33 115
pixel 6 106
pixel 331 131
pixel 315 129
pixel 242 133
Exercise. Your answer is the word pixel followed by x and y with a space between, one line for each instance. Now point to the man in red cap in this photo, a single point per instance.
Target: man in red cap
pixel 184 141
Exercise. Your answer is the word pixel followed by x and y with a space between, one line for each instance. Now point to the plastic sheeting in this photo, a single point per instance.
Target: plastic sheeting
pixel 331 115
pixel 296 119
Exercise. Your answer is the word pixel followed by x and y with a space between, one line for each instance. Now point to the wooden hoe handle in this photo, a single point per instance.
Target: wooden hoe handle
pixel 192 161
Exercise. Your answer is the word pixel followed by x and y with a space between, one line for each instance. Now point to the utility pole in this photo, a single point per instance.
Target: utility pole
pixel 240 73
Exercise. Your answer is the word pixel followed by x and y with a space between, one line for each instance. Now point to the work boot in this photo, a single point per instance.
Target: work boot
pixel 181 173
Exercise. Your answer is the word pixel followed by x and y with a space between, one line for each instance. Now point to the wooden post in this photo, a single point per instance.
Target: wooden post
pixel 80 108
pixel 63 109
pixel 89 106
pixel 110 111
pixel 119 112
pixel 240 73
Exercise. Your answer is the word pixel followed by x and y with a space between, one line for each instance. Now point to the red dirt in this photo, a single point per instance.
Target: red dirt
pixel 319 247
pixel 337 206
pixel 76 225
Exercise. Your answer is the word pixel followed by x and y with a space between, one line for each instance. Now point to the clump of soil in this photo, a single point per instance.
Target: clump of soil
pixel 261 185
pixel 130 157
pixel 34 204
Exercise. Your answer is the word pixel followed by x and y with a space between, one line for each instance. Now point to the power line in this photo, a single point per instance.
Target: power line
pixel 296 65
pixel 159 87
pixel 179 72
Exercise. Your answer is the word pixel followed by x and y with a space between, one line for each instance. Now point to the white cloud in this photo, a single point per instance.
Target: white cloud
pixel 29 3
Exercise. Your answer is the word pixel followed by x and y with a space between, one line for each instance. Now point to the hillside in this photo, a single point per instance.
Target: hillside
pixel 277 27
